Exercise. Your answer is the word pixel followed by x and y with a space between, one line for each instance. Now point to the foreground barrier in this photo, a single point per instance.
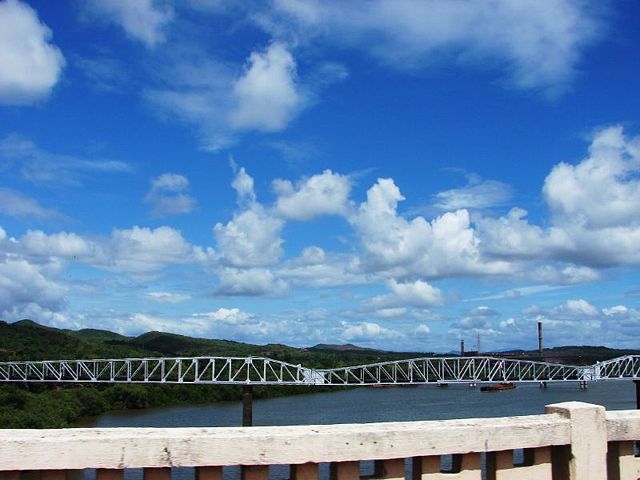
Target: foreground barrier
pixel 570 441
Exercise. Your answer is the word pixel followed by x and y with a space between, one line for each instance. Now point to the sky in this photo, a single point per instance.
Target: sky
pixel 398 175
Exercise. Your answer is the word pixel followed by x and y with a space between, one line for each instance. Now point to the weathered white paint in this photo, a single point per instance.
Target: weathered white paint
pixel 623 425
pixel 583 428
pixel 588 439
pixel 166 447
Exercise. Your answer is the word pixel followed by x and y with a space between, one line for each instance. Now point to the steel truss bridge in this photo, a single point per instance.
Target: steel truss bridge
pixel 267 371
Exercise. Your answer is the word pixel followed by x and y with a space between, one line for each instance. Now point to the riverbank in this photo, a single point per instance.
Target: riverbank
pixel 45 406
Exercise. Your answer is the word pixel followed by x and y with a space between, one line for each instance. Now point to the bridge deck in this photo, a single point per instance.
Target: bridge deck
pixel 267 371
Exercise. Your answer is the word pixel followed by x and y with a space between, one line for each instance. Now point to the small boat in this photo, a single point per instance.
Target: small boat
pixel 498 387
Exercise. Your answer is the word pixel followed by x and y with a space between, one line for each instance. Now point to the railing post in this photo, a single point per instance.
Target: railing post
pixel 588 458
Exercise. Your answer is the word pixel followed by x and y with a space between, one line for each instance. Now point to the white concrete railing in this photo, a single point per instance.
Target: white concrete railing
pixel 571 441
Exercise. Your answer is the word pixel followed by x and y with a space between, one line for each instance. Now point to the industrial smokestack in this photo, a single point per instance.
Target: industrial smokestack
pixel 540 338
pixel 462 347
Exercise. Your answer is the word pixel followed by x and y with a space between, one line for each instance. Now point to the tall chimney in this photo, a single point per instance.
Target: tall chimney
pixel 540 338
pixel 462 347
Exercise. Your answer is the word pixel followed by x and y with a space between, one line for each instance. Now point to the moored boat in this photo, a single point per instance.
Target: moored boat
pixel 498 387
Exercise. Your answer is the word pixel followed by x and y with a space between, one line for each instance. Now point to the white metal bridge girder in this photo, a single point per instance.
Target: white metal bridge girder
pixel 267 371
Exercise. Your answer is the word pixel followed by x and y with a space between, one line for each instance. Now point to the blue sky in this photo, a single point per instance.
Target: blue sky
pixel 398 175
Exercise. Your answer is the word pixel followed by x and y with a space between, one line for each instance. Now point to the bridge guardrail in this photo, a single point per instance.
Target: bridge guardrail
pixel 571 441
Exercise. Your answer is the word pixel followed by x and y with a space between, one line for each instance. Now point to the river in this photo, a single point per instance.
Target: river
pixel 378 405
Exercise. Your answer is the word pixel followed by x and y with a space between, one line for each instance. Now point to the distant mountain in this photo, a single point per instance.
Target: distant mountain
pixel 94 335
pixel 341 348
pixel 28 340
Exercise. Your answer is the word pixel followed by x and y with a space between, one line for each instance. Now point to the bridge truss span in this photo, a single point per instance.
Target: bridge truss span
pixel 205 370
pixel 452 370
pixel 267 371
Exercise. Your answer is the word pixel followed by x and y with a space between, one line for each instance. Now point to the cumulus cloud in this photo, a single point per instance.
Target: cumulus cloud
pixel 249 282
pixel 243 185
pixel 537 44
pixel 323 194
pixel 368 332
pixel 230 316
pixel 252 237
pixel 603 190
pixel 24 285
pixel 267 95
pixel 140 250
pixel 446 246
pixel 142 20
pixel 595 206
pixel 30 65
pixel 168 195
pixel 418 294
pixel 225 100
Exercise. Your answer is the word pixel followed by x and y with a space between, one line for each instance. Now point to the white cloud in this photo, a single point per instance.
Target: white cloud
pixel 225 99
pixel 601 191
pixel 169 182
pixel 36 243
pixel 26 286
pixel 142 20
pixel 446 246
pixel 316 268
pixel 243 185
pixel 252 237
pixel 41 167
pixel 230 316
pixel 477 194
pixel 595 207
pixel 30 66
pixel 538 44
pixel 391 312
pixel 167 195
pixel 197 91
pixel 15 204
pixel 368 332
pixel 422 329
pixel 581 307
pixel 142 250
pixel 267 95
pixel 140 322
pixel 323 194
pixel 249 282
pixel 418 294
pixel 168 297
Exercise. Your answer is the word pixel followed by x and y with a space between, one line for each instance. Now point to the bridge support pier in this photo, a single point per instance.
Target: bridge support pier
pixel 543 384
pixel 637 382
pixel 247 405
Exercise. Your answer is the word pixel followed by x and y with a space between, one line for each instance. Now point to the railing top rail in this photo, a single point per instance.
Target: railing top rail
pixel 163 447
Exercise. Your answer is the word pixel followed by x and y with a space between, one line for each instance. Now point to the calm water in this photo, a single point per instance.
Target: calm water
pixel 379 405
pixel 367 405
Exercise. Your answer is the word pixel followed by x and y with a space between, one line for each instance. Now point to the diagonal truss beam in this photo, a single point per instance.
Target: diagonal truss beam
pixel 268 371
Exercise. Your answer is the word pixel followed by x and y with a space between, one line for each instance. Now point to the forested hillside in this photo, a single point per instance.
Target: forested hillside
pixel 50 405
